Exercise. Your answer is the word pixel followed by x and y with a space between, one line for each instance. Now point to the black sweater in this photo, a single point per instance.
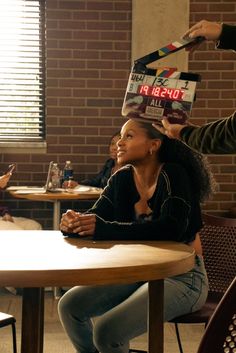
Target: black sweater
pixel 175 209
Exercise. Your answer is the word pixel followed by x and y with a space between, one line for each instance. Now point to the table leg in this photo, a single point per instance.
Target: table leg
pixel 57 292
pixel 155 317
pixel 56 223
pixel 32 320
pixel 56 214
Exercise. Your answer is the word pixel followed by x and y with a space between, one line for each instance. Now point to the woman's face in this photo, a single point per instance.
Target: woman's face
pixel 134 145
pixel 113 147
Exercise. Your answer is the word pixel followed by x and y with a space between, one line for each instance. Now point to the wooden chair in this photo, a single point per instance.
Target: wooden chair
pixel 218 237
pixel 5 320
pixel 219 335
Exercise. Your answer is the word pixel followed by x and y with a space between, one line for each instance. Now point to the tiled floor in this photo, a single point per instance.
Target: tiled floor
pixel 55 340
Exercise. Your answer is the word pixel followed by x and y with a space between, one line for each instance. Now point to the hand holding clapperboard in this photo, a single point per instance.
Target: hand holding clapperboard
pixel 154 93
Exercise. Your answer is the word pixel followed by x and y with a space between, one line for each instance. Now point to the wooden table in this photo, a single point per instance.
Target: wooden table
pixel 36 259
pixel 56 198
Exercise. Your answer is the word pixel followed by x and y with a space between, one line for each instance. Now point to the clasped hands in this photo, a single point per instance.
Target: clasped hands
pixel 78 223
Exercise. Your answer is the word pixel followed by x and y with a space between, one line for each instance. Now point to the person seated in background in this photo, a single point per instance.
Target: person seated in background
pixel 7 221
pixel 156 195
pixel 109 168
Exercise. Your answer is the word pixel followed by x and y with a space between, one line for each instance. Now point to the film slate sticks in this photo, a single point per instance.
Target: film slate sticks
pixel 154 93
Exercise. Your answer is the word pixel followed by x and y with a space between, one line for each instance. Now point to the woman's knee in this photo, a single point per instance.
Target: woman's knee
pixel 63 307
pixel 106 335
pixel 68 304
pixel 76 303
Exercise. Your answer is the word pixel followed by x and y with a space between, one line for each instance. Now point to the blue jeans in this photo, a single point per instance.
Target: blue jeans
pixel 122 310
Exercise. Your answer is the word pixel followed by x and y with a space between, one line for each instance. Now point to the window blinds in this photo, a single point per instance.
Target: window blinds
pixel 22 70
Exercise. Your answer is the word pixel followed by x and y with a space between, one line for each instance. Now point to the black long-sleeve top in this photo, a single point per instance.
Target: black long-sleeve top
pixel 175 209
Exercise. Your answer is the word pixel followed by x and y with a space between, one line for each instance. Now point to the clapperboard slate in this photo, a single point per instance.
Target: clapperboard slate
pixel 154 93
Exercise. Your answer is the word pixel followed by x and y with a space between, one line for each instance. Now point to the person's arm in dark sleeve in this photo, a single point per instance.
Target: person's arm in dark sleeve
pixel 96 181
pixel 216 137
pixel 170 225
pixel 101 178
pixel 165 228
pixel 227 38
pixel 103 207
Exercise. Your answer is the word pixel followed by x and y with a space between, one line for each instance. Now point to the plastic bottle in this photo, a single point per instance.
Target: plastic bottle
pixel 68 171
pixel 55 176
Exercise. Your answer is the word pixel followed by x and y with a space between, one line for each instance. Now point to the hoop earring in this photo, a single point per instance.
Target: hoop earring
pixel 150 151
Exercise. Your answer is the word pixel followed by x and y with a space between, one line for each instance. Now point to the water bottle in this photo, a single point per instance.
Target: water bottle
pixel 68 171
pixel 55 176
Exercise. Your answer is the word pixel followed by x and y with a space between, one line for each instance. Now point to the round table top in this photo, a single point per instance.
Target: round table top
pixel 50 196
pixel 46 258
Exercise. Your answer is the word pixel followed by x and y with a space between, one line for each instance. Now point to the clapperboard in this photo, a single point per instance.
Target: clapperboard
pixel 154 93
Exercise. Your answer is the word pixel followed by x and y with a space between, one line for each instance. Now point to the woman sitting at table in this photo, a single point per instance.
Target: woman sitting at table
pixel 156 197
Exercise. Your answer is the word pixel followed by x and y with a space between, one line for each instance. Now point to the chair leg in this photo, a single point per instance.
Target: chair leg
pixel 178 338
pixel 14 338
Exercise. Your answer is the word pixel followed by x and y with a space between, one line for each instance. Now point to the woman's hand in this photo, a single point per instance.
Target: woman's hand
pixel 69 184
pixel 85 224
pixel 67 221
pixel 206 29
pixel 168 129
pixel 81 223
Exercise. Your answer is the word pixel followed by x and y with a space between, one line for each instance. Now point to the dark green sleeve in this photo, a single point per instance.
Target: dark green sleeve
pixel 220 136
pixel 227 38
pixel 217 137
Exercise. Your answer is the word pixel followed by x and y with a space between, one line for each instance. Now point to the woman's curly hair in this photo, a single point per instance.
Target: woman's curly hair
pixel 195 163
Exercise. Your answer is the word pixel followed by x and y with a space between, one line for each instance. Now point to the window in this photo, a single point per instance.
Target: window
pixel 22 71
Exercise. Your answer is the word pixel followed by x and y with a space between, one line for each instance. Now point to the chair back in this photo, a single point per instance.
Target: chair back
pixel 218 237
pixel 219 335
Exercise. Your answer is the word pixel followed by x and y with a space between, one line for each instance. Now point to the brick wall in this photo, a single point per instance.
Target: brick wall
pixel 88 62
